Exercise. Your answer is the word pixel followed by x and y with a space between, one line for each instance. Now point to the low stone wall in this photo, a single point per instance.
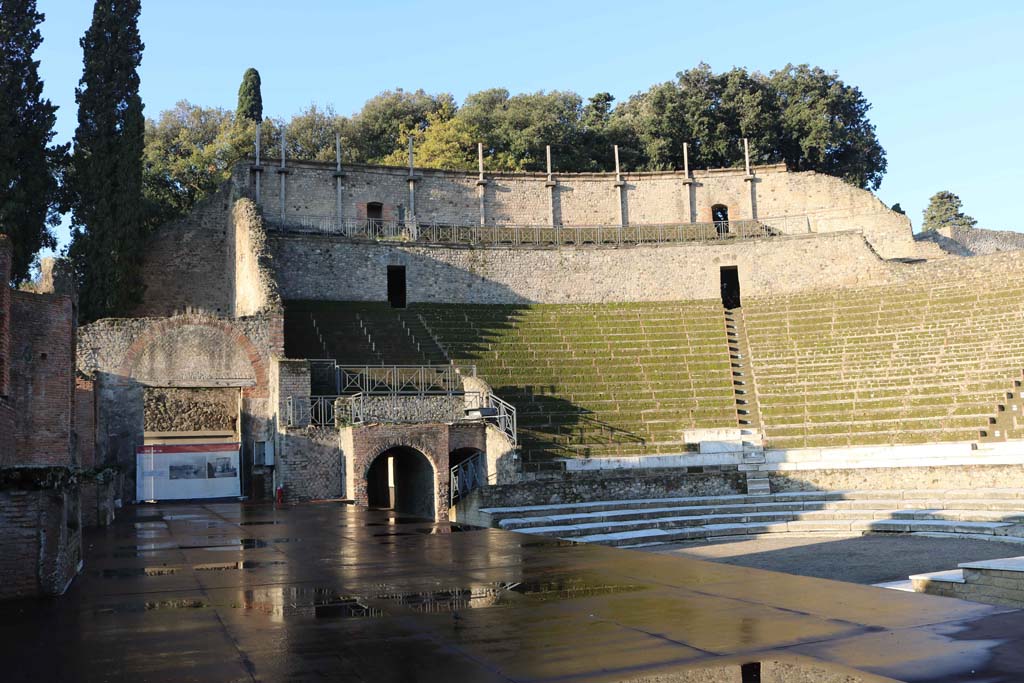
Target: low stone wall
pixel 578 487
pixel 899 478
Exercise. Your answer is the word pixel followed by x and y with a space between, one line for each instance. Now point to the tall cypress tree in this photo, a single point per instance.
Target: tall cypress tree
pixel 250 99
pixel 29 164
pixel 106 169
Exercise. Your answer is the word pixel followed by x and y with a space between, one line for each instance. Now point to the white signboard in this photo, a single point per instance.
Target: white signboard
pixel 175 472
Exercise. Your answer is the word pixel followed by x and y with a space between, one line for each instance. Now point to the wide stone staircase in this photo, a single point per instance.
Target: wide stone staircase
pixel 971 513
pixel 597 380
pixel 886 365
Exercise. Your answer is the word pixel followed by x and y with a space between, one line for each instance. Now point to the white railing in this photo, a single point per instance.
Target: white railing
pixel 542 235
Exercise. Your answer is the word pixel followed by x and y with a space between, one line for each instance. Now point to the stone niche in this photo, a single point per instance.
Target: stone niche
pixel 181 409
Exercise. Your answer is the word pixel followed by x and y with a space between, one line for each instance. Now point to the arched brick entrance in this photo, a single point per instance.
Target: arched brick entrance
pixel 402 479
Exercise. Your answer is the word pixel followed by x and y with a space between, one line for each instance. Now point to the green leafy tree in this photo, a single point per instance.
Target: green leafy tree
pixel 825 126
pixel 516 129
pixel 446 142
pixel 105 177
pixel 376 130
pixel 800 115
pixel 944 211
pixel 250 97
pixel 190 151
pixel 29 164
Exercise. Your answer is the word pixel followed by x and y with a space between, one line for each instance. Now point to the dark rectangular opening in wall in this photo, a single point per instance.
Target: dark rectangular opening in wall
pixel 396 286
pixel 730 281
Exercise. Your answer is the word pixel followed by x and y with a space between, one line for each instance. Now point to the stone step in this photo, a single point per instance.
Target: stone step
pixel 681 522
pixel 912 502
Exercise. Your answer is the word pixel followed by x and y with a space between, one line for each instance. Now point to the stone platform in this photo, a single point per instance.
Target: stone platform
pixel 231 592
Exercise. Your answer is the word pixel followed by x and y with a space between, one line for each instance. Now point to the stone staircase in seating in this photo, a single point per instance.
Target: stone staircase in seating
pixel 975 513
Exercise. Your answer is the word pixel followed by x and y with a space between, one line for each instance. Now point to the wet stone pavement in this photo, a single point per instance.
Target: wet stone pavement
pixel 233 592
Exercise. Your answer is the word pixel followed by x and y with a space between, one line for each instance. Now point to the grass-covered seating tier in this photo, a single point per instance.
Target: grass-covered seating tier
pixel 597 380
pixel 884 365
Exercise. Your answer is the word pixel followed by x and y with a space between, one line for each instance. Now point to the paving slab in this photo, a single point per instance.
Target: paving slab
pixel 238 592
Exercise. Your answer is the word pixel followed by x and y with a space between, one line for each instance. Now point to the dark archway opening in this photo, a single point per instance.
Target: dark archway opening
pixel 720 216
pixel 730 283
pixel 374 214
pixel 402 479
pixel 396 286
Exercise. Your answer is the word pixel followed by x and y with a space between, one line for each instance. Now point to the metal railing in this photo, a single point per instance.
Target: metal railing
pixel 505 419
pixel 469 474
pixel 542 235
pixel 393 379
pixel 315 411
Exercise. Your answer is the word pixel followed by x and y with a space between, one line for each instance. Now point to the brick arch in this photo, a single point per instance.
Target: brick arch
pixel 161 327
pixel 425 452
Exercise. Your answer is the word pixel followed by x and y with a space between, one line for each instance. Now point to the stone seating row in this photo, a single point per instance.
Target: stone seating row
pixel 977 513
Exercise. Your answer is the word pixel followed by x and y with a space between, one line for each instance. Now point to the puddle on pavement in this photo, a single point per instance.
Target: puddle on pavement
pixel 281 602
pixel 182 603
pixel 135 572
pixel 449 529
pixel 452 599
pixel 244 564
pixel 548 543
pixel 150 525
pixel 567 588
pixel 260 523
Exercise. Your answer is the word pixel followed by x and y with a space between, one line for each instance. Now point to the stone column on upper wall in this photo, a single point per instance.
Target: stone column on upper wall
pixel 688 185
pixel 750 178
pixel 256 168
pixel 620 184
pixel 552 186
pixel 282 172
pixel 410 215
pixel 339 186
pixel 481 184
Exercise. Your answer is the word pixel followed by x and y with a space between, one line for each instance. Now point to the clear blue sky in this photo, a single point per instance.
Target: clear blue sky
pixel 944 78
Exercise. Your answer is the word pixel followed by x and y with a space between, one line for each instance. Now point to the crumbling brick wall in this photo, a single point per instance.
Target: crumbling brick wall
pixel 42 378
pixel 40 539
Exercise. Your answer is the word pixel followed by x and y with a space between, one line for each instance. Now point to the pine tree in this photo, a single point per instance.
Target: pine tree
pixel 105 178
pixel 250 99
pixel 944 211
pixel 29 164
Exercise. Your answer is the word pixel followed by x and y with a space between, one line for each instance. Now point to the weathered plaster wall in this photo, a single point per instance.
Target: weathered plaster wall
pixel 358 272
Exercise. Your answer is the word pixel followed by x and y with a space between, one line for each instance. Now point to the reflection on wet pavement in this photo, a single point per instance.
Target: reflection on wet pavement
pixel 334 592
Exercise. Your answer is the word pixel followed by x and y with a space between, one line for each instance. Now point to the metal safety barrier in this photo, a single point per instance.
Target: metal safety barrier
pixel 541 235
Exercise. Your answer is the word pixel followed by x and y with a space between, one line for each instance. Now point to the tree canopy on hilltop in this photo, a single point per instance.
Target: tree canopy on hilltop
pixel 944 211
pixel 799 115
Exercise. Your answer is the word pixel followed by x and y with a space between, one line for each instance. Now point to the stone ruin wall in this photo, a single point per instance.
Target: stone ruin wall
pixel 358 272
pixel 829 204
pixel 186 409
pixel 181 354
